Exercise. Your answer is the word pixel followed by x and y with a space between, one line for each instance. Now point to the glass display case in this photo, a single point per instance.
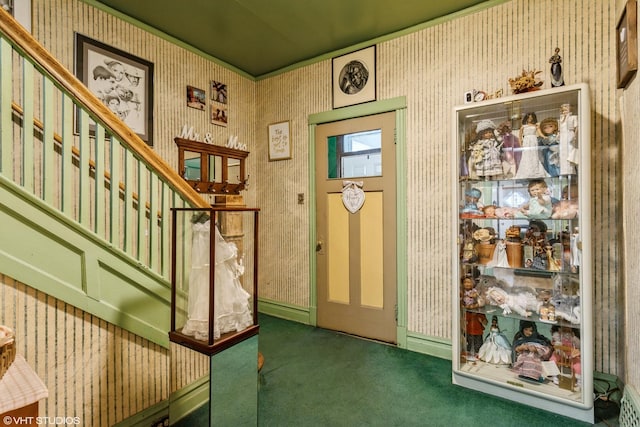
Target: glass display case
pixel 522 267
pixel 214 277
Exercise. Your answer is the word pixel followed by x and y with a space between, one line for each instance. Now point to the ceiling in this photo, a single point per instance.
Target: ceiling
pixel 258 37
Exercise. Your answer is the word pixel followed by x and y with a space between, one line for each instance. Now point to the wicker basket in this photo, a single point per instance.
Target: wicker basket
pixel 7 349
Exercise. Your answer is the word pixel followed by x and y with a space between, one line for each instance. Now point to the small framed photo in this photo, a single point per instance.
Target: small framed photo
pixel 627 44
pixel 196 98
pixel 219 115
pixel 279 141
pixel 354 77
pixel 218 92
pixel 123 82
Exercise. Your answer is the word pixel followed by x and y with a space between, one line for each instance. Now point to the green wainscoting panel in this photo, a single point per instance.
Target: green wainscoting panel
pixel 42 249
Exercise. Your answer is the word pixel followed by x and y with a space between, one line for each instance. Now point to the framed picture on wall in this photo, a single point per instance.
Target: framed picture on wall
pixel 627 43
pixel 123 82
pixel 196 98
pixel 354 77
pixel 279 141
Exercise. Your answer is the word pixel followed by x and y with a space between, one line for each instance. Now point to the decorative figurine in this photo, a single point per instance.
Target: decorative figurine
pixel 500 258
pixel 530 165
pixel 530 349
pixel 496 348
pixel 557 79
pixel 526 82
pixel 485 158
pixel 510 149
pixel 568 127
pixel 548 140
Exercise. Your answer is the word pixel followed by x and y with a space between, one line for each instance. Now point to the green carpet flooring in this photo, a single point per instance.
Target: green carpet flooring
pixel 314 377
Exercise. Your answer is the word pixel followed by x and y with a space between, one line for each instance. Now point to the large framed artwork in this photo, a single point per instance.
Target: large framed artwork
pixel 354 77
pixel 123 82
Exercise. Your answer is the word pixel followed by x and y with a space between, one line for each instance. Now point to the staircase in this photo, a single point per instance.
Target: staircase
pixel 84 240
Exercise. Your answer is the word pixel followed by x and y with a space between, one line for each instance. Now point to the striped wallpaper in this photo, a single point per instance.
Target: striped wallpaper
pixel 432 67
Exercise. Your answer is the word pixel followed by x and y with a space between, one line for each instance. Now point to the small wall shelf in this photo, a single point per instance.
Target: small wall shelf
pixel 212 168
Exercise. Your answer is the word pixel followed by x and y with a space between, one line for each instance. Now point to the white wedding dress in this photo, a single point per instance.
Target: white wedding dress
pixel 231 302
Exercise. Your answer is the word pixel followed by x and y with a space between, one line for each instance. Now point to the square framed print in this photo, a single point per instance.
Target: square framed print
pixel 196 98
pixel 279 141
pixel 122 82
pixel 627 44
pixel 354 77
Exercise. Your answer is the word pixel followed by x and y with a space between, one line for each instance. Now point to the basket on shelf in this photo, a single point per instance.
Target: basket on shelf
pixel 7 349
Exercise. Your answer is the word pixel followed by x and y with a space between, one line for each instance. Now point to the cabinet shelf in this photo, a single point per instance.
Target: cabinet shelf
pixel 522 263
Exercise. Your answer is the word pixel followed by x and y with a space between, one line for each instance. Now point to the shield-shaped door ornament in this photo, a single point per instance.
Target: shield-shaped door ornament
pixel 352 195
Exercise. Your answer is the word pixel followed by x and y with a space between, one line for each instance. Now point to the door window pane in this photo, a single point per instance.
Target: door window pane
pixel 355 155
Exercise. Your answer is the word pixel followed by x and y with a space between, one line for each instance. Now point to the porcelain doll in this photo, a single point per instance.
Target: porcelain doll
pixel 474 322
pixel 485 151
pixel 523 303
pixel 472 206
pixel 530 164
pixel 549 142
pixel 496 348
pixel 567 206
pixel 568 148
pixel 510 150
pixel 530 349
pixel 539 205
pixel 569 338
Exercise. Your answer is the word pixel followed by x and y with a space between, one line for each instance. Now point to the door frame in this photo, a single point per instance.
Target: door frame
pixel 399 106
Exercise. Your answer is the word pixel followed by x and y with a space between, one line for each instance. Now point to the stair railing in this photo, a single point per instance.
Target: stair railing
pixel 60 144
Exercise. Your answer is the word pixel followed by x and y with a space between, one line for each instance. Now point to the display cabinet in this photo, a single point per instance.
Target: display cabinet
pixel 214 270
pixel 522 266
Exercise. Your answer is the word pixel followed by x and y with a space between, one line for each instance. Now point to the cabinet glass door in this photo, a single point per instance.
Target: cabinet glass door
pixel 522 287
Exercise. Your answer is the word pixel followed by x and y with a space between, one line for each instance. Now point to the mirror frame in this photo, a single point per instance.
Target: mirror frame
pixel 205 150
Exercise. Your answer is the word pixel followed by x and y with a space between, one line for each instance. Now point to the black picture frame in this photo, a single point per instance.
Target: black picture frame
pixel 353 77
pixel 627 44
pixel 123 82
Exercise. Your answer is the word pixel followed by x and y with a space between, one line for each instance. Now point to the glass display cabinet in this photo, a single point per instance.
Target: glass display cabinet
pixel 522 298
pixel 214 277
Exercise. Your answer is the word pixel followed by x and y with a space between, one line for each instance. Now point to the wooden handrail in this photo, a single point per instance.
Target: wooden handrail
pixel 74 150
pixel 47 64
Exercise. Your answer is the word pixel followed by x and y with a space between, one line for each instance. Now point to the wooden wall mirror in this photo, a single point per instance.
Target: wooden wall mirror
pixel 212 168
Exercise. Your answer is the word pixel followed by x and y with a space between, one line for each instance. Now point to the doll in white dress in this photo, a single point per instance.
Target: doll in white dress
pixel 530 164
pixel 568 127
pixel 231 302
